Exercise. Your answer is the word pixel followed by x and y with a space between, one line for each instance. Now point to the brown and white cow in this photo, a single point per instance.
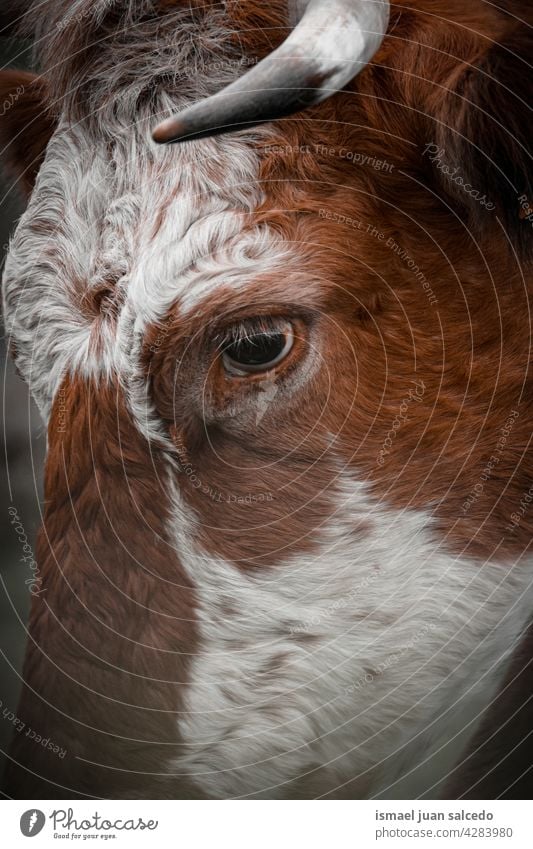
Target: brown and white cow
pixel 285 370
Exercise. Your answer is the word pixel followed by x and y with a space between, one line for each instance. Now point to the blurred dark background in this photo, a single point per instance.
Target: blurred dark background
pixel 23 447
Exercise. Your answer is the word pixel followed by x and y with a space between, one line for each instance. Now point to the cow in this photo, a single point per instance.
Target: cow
pixel 271 295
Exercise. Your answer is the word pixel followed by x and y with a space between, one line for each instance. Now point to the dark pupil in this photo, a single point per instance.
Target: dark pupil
pixel 257 350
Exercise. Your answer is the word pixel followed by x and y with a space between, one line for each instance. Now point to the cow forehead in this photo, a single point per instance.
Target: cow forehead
pixel 143 226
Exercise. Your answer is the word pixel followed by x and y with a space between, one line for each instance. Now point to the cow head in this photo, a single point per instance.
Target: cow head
pixel 274 364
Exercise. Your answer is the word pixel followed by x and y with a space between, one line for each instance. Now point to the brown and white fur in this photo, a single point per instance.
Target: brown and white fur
pixel 242 595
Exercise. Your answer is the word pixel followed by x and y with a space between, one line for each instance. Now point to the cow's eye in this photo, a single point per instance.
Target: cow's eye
pixel 251 350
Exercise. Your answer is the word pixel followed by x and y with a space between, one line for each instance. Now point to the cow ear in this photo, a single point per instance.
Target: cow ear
pixel 482 141
pixel 26 124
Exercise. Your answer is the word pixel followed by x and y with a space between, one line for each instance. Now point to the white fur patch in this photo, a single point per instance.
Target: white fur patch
pixel 156 225
pixel 91 222
pixel 375 648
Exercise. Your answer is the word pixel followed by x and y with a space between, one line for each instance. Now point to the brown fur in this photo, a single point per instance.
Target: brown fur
pixel 25 124
pixel 112 627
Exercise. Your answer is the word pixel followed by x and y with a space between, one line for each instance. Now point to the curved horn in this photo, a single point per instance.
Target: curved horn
pixel 12 15
pixel 332 42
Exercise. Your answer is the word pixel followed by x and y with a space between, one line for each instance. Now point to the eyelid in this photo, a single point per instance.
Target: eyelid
pixel 240 370
pixel 252 327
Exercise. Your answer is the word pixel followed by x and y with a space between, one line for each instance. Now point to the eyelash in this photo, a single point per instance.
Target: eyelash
pixel 246 329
